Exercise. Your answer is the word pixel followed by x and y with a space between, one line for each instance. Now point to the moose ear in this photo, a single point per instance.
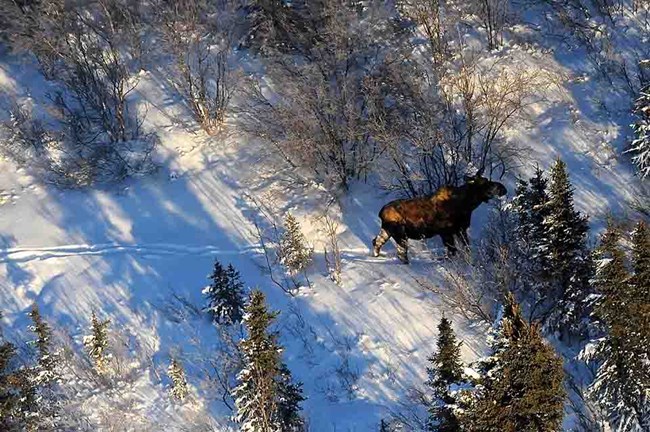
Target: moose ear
pixel 480 172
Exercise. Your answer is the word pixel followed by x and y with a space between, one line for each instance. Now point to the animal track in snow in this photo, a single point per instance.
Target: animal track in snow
pixel 154 249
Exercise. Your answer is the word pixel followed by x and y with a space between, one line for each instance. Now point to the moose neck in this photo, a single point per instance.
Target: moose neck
pixel 472 196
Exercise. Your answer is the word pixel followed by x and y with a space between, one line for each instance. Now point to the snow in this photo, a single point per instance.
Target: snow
pixel 359 347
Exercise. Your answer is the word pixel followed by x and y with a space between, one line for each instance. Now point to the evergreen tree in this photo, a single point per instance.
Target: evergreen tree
pixel 641 145
pixel 569 265
pixel 97 343
pixel 529 251
pixel 521 387
pixel 265 399
pixel 445 370
pixel 17 394
pixel 176 374
pixel 622 382
pixel 530 206
pixel 293 252
pixel 640 288
pixel 225 295
pixel 288 406
pixel 45 372
pixel 44 411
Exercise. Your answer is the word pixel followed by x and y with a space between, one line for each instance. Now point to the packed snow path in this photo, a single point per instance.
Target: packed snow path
pixel 42 253
pixel 21 255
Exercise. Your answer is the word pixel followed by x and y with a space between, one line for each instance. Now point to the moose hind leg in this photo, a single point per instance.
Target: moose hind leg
pixel 450 244
pixel 379 241
pixel 403 249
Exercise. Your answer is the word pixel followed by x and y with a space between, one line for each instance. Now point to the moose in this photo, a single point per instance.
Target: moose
pixel 446 213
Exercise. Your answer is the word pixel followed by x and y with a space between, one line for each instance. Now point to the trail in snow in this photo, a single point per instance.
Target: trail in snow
pixel 42 253
pixel 25 254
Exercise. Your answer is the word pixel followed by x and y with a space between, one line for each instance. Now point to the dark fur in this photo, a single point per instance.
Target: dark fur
pixel 446 213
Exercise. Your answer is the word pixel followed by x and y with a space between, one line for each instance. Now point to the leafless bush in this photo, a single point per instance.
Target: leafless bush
pixel 346 372
pixel 432 130
pixel 200 35
pixel 332 250
pixel 27 138
pixel 429 15
pixel 493 16
pixel 616 51
pixel 278 26
pixel 224 366
pixel 314 112
pixel 466 290
pixel 411 413
pixel 90 49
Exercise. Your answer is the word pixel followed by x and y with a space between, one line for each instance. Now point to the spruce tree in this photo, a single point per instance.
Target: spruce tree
pixel 44 411
pixel 521 387
pixel 445 370
pixel 640 288
pixel 530 206
pixel 293 252
pixel 97 343
pixel 528 252
pixel 569 267
pixel 640 148
pixel 225 295
pixel 288 406
pixel 17 394
pixel 176 374
pixel 622 382
pixel 264 382
pixel 45 372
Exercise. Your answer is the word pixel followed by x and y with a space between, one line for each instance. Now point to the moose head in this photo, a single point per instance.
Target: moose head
pixel 483 189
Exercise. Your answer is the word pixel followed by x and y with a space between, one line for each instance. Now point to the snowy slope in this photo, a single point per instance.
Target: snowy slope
pixel 127 250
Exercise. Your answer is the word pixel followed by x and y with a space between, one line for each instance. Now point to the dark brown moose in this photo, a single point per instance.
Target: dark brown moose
pixel 446 213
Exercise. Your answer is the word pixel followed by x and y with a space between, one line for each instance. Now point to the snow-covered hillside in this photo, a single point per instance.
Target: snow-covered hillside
pixel 140 252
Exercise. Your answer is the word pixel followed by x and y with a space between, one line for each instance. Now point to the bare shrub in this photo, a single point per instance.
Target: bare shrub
pixel 411 413
pixel 314 110
pixel 474 282
pixel 200 36
pixel 275 25
pixel 223 367
pixel 617 52
pixel 466 290
pixel 27 138
pixel 429 15
pixel 91 51
pixel 434 130
pixel 301 330
pixel 347 373
pixel 493 15
pixel 332 251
